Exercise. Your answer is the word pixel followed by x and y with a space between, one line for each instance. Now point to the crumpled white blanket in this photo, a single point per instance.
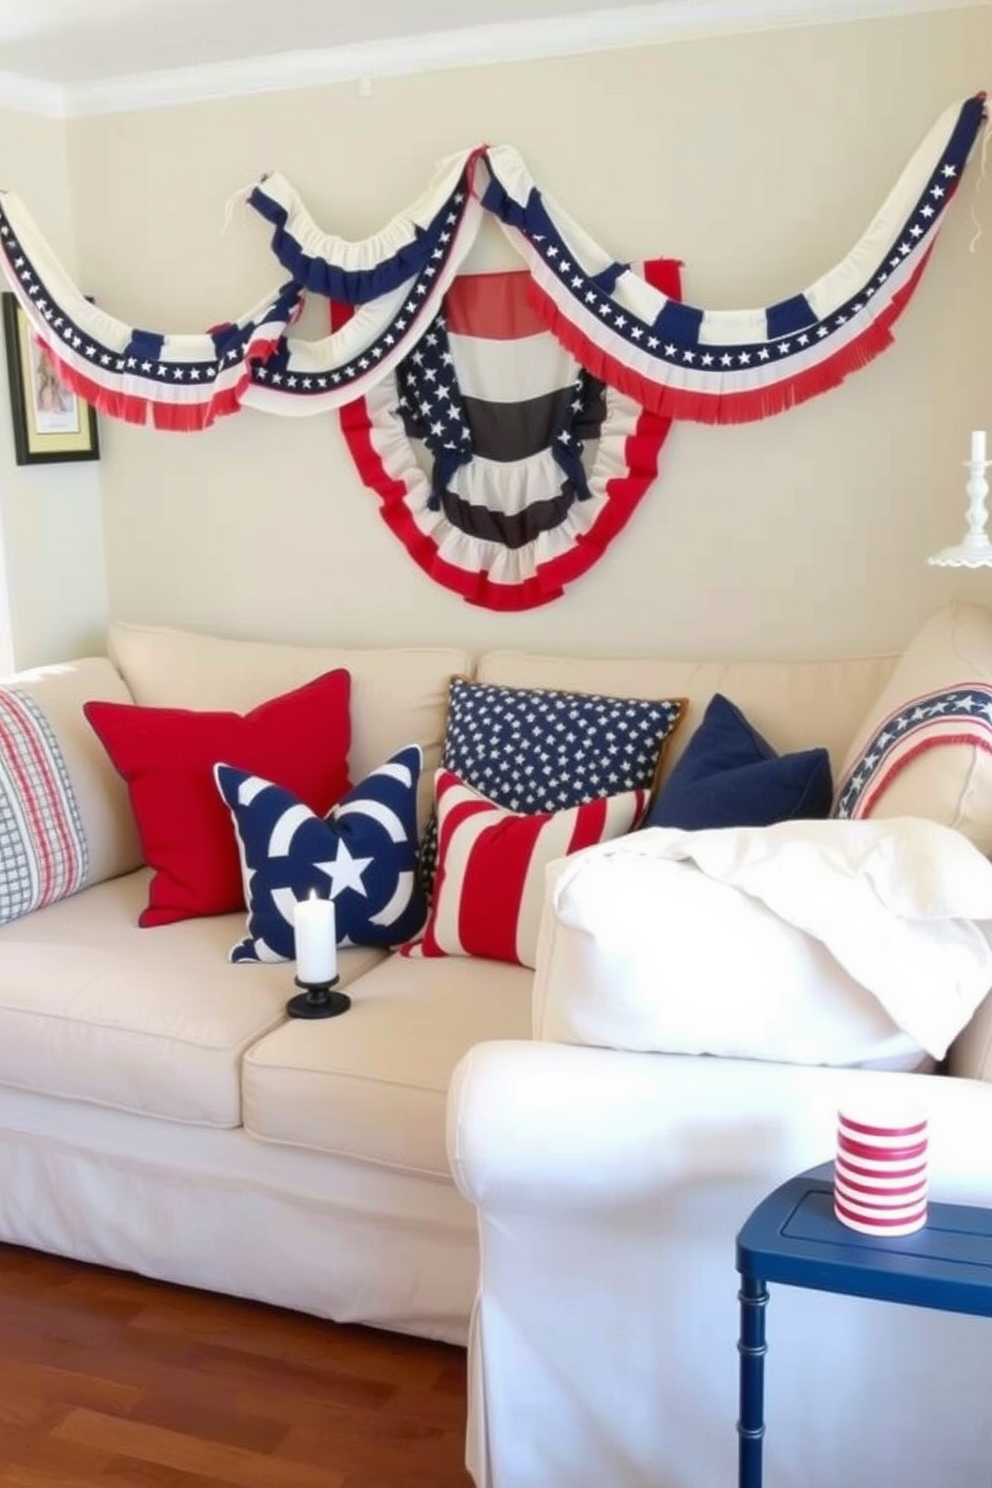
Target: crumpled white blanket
pixel 904 905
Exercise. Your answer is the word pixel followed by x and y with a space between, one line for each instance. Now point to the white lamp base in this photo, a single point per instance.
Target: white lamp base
pixel 971 553
pixel 976 549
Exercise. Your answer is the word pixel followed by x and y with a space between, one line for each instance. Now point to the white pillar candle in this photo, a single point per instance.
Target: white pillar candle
pixel 978 446
pixel 316 941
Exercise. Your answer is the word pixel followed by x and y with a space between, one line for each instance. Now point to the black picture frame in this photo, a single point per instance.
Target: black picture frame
pixel 52 424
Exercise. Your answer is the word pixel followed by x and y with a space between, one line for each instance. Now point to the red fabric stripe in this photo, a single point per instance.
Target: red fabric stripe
pixel 134 409
pixel 453 818
pixel 874 794
pixel 493 305
pixel 476 588
pixel 17 735
pixel 492 892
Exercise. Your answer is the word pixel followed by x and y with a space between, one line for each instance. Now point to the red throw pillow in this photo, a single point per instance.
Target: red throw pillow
pixel 167 755
pixel 489 886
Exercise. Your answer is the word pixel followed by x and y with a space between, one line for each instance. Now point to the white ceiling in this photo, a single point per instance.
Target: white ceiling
pixel 70 56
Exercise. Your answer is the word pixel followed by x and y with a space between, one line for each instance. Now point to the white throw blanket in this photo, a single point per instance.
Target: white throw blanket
pixel 904 905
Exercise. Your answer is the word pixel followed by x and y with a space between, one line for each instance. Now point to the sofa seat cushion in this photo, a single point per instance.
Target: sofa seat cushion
pixel 154 1021
pixel 372 1084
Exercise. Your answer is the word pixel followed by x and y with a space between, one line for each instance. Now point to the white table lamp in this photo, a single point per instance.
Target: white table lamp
pixel 975 551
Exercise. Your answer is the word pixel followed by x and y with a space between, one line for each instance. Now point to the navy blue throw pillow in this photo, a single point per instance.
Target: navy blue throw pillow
pixel 729 776
pixel 362 855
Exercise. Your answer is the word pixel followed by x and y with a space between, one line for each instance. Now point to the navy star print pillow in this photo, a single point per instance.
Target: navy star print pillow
pixel 363 855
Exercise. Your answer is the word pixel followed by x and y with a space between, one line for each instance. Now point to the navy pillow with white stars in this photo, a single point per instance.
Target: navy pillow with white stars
pixel 362 855
pixel 534 749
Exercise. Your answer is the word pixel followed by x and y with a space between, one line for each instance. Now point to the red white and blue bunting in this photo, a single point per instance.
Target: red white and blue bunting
pixel 616 355
pixel 502 466
pixel 397 279
pixel 714 366
pixel 733 366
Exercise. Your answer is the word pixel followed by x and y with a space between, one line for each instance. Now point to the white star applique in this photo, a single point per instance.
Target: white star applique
pixel 345 872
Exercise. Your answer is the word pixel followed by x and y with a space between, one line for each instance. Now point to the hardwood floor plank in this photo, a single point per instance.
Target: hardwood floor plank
pixel 109 1380
pixel 214 1460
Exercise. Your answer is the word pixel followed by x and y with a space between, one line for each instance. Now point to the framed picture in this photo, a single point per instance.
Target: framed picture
pixel 51 422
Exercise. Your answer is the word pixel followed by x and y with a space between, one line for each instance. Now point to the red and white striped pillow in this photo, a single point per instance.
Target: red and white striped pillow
pixel 489 885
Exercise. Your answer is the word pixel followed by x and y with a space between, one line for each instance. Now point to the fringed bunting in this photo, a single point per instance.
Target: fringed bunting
pixel 732 366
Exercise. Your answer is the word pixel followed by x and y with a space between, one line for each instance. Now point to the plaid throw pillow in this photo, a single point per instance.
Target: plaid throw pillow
pixel 532 749
pixel 43 852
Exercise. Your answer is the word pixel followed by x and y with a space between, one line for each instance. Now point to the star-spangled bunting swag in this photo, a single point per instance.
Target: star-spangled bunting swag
pixel 714 366
pixel 184 382
pixel 502 466
pixel 952 715
pixel 733 366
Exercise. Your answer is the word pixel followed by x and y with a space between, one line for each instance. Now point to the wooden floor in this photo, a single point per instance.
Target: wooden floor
pixel 110 1381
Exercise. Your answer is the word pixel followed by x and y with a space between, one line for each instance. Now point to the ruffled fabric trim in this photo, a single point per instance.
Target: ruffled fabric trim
pixel 185 382
pixel 731 366
pixel 180 382
pixel 678 360
pixel 443 537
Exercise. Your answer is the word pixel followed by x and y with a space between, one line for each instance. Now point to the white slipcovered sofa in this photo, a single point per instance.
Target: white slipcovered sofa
pixel 159 1112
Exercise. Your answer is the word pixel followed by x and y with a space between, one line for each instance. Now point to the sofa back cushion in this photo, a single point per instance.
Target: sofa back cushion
pixel 795 704
pixel 398 695
pixel 65 819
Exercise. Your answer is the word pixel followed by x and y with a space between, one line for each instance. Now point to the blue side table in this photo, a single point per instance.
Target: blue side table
pixel 794 1237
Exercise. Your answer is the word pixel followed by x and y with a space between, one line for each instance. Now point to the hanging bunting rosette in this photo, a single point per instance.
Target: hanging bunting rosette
pixel 503 467
pixel 732 366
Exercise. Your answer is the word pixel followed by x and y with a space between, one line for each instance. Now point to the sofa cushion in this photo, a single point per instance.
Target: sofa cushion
pixel 924 747
pixel 167 755
pixel 155 1021
pixel 371 1085
pixel 489 886
pixel 363 856
pixel 398 694
pixel 65 820
pixel 541 749
pixel 730 776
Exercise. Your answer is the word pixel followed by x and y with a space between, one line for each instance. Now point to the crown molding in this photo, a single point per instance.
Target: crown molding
pixel 591 31
pixel 29 96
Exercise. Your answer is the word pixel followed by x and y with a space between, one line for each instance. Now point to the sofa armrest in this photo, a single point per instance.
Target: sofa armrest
pixel 609 1189
pixel 548 1125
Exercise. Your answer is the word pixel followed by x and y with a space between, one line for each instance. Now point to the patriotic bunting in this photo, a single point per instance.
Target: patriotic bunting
pixel 186 382
pixel 508 423
pixel 714 366
pixel 732 366
pixel 502 466
pixel 177 382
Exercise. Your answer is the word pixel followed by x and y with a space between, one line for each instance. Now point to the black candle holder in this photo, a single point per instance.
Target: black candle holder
pixel 317 1000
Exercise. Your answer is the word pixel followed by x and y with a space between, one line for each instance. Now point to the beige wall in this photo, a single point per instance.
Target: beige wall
pixel 51 542
pixel 758 159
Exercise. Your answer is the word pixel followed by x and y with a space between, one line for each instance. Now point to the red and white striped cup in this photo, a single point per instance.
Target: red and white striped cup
pixel 880 1169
